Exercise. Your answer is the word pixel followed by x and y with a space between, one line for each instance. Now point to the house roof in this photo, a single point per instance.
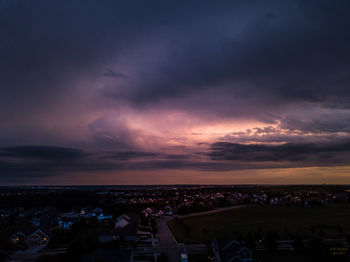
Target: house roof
pixel 98 210
pixel 232 250
pixel 69 219
pixel 121 223
pixel 27 230
pixel 127 230
pixel 124 219
pixel 19 235
pixel 39 233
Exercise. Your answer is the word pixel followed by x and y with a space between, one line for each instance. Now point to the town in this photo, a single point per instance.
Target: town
pixel 167 223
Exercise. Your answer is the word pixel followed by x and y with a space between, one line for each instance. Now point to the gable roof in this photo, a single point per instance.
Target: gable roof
pixel 27 231
pixel 121 223
pixel 40 233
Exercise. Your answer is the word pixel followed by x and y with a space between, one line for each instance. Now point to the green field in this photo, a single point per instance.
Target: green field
pixel 328 221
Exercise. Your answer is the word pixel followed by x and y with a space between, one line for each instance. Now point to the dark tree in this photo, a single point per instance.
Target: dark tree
pixel 298 242
pixel 270 241
pixel 76 251
pixel 162 258
pixel 249 241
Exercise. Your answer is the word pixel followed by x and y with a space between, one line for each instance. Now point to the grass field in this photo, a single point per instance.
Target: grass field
pixel 327 221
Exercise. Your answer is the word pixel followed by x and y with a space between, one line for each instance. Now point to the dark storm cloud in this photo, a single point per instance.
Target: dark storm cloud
pixel 304 153
pixel 291 49
pixel 30 163
pixel 42 152
pixel 43 161
pixel 36 161
pixel 127 155
pixel 286 50
pixel 87 63
pixel 331 122
pixel 46 48
pixel 298 55
pixel 112 73
pixel 55 153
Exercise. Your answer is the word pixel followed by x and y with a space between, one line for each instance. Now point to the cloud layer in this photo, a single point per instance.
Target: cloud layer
pixel 120 86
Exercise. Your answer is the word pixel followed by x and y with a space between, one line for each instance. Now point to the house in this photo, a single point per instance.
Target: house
pixel 5 213
pixel 227 250
pixel 95 212
pixel 66 222
pixel 29 237
pixel 168 211
pixel 84 211
pixel 145 228
pixel 125 229
pixel 25 213
pixel 126 233
pixel 38 239
pixel 150 212
pixel 104 218
pixel 122 221
pixel 143 235
pixel 18 240
pixel 184 257
pixel 71 214
pixel 40 220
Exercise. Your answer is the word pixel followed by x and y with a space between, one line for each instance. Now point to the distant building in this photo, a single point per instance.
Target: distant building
pixel 168 211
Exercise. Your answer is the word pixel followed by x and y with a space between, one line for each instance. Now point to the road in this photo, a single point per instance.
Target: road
pixel 165 237
pixel 210 211
pixel 166 241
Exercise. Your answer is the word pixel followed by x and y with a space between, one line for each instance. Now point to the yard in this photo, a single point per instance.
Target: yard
pixel 326 221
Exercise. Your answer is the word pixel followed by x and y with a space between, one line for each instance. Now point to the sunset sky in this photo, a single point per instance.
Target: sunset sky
pixel 174 92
